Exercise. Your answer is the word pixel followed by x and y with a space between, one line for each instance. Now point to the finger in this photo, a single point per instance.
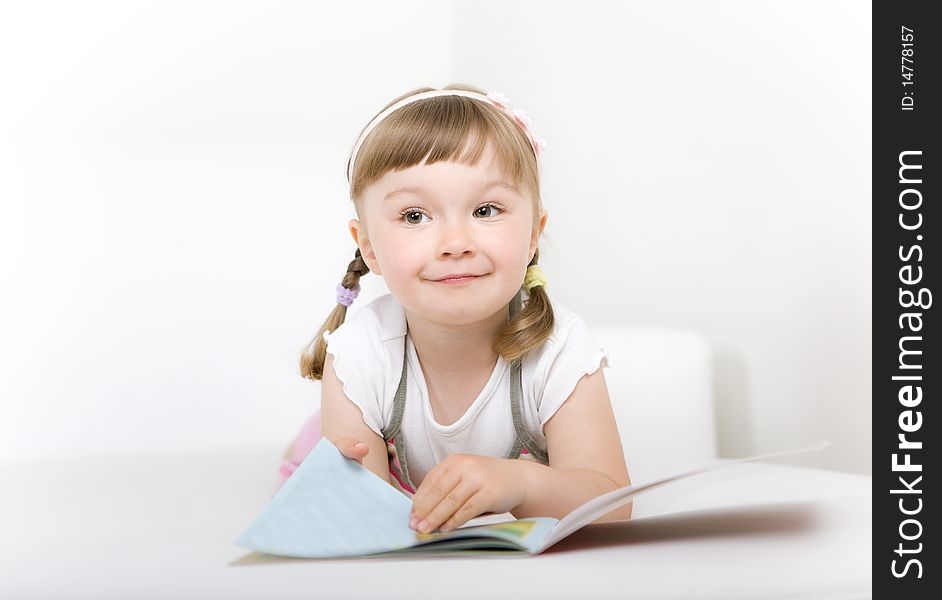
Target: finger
pixel 352 448
pixel 449 505
pixel 471 508
pixel 436 485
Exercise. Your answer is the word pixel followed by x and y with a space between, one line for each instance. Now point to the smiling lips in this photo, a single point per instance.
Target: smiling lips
pixel 457 278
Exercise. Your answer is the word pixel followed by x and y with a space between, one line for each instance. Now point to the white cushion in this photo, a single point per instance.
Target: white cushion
pixel 661 388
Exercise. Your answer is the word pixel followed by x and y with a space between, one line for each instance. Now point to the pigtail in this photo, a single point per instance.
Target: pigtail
pixel 530 327
pixel 315 353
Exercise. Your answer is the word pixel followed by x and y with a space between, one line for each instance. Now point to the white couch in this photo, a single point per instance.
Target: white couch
pixel 661 386
pixel 162 525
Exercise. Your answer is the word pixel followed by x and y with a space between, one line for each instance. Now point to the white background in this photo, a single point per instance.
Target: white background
pixel 174 203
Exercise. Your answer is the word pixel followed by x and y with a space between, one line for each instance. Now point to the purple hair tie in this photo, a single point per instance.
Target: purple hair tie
pixel 345 296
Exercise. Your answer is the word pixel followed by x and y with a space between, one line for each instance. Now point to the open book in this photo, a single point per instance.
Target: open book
pixel 332 506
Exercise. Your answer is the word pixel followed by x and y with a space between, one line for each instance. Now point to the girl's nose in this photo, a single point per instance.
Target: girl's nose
pixel 457 239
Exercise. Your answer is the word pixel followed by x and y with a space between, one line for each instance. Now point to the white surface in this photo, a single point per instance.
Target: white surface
pixel 163 527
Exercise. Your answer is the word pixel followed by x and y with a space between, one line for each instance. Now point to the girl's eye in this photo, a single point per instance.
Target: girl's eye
pixel 489 205
pixel 411 212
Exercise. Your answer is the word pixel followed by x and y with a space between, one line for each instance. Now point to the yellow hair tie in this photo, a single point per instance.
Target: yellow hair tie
pixel 534 277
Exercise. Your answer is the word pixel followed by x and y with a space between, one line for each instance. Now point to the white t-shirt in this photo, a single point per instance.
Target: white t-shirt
pixel 368 353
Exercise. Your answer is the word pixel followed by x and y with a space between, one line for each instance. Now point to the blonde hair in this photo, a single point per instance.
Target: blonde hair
pixel 452 128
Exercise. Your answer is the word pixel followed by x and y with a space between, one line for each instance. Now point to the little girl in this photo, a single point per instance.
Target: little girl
pixel 467 388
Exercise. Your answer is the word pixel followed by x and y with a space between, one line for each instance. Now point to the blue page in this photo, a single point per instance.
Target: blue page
pixel 331 506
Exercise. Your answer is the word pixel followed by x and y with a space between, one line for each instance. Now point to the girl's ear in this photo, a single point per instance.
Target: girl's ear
pixel 535 238
pixel 366 248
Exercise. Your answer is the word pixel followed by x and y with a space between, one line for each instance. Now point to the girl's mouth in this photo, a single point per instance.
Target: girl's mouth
pixel 457 281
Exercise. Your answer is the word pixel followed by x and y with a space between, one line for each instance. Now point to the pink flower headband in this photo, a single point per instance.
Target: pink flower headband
pixel 494 98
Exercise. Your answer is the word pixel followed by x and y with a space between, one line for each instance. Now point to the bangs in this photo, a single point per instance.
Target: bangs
pixel 445 128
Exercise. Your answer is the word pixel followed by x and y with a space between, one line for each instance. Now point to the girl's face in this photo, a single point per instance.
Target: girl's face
pixel 427 222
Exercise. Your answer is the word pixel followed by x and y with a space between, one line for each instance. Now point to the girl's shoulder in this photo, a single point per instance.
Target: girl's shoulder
pixel 572 343
pixel 565 322
pixel 377 321
pixel 562 315
pixel 360 358
pixel 558 364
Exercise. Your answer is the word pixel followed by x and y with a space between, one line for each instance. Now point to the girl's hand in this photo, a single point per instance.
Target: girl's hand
pixel 463 486
pixel 352 448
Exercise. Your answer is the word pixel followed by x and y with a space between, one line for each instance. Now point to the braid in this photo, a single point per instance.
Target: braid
pixel 314 354
pixel 355 270
pixel 534 323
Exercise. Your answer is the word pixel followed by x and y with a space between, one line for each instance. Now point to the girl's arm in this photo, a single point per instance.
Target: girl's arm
pixel 586 456
pixel 341 418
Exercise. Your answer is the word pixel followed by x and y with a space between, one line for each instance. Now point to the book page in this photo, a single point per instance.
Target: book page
pixel 602 505
pixel 525 535
pixel 333 506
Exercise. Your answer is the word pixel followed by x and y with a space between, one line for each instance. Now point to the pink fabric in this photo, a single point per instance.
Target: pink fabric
pixel 308 437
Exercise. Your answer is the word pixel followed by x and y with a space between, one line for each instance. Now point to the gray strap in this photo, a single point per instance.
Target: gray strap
pixel 524 440
pixel 395 427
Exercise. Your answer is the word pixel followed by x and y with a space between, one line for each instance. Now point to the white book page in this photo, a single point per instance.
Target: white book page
pixel 489 519
pixel 601 505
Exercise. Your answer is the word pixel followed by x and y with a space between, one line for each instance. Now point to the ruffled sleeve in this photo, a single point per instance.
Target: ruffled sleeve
pixel 569 354
pixel 359 363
